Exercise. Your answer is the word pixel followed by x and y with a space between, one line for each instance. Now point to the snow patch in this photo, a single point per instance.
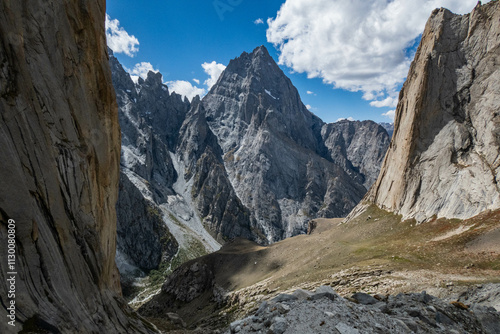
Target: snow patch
pixel 271 95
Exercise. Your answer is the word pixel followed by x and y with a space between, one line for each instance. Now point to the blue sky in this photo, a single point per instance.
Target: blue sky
pixel 363 48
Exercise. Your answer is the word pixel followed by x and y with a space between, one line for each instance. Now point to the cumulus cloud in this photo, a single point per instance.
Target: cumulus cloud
pixel 140 70
pixel 119 40
pixel 355 45
pixel 390 114
pixel 214 70
pixel 310 93
pixel 343 119
pixel 197 81
pixel 387 102
pixel 308 106
pixel 185 88
pixel 258 21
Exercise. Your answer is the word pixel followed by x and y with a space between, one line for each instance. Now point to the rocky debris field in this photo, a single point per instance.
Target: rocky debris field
pixel 324 311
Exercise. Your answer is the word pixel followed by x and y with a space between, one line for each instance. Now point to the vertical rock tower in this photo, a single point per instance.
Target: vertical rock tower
pixel 60 152
pixel 444 159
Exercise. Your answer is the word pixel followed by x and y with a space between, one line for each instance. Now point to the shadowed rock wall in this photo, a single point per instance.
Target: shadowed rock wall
pixel 60 151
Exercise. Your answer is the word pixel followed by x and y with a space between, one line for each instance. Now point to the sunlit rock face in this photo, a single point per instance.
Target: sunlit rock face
pixel 444 157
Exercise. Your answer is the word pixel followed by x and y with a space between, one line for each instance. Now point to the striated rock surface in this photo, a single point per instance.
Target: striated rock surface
pixel 284 163
pixel 149 118
pixel 60 148
pixel 444 157
pixel 171 165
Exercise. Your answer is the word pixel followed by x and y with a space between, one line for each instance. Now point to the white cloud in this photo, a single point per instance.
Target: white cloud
pixel 140 70
pixel 119 40
pixel 197 81
pixel 390 114
pixel 214 70
pixel 343 119
pixel 387 102
pixel 356 45
pixel 258 21
pixel 310 93
pixel 185 88
pixel 308 106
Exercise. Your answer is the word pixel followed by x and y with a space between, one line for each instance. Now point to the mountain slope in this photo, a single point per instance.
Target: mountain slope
pixel 172 174
pixel 375 254
pixel 444 159
pixel 258 170
pixel 215 199
pixel 275 150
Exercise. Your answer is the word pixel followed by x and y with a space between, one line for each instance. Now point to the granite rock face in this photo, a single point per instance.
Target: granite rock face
pixel 150 119
pixel 284 163
pixel 172 157
pixel 444 158
pixel 359 147
pixel 60 149
pixel 142 236
pixel 224 216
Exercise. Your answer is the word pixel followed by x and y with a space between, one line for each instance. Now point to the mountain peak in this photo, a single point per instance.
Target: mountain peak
pixel 261 51
pixel 258 62
pixel 154 78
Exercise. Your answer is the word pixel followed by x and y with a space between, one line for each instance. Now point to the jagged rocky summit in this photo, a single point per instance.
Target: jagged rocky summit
pixel 249 160
pixel 172 177
pixel 444 160
pixel 60 149
pixel 284 163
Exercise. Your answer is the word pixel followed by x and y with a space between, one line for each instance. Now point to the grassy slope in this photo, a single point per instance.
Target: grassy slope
pixel 381 240
pixel 376 253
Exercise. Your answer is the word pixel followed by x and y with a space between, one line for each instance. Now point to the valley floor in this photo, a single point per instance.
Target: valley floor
pixel 375 254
